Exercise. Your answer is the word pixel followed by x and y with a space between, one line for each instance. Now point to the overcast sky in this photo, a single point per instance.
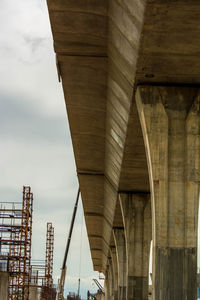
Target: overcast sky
pixel 35 141
pixel 35 144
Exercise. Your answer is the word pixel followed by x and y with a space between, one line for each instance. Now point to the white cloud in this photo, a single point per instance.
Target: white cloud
pixel 27 57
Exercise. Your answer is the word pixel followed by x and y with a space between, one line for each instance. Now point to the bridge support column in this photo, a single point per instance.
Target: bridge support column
pixel 106 290
pixel 136 211
pixel 33 292
pixel 115 271
pixel 121 261
pixel 4 284
pixel 170 120
pixel 109 282
pixel 111 278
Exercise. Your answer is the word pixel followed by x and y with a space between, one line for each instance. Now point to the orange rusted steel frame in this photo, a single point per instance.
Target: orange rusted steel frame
pixel 20 268
pixel 44 280
pixel 49 255
pixel 48 282
pixel 39 280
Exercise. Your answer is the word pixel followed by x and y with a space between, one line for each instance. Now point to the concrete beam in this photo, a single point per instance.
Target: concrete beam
pixel 170 120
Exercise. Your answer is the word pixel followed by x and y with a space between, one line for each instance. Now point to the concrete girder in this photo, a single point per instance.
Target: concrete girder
pixel 169 43
pixel 79 28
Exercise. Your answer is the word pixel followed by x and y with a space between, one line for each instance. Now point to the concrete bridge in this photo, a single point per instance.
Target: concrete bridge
pixel 130 71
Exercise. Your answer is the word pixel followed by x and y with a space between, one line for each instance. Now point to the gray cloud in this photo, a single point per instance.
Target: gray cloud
pixel 10 194
pixel 20 120
pixel 35 43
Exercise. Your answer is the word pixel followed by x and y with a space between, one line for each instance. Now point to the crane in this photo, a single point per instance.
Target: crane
pixel 60 290
pixel 101 289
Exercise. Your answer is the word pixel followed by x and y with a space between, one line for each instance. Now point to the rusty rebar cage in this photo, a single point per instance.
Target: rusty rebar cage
pixel 10 226
pixel 38 273
pixel 47 291
pixel 42 271
pixel 20 250
pixel 38 279
pixel 49 255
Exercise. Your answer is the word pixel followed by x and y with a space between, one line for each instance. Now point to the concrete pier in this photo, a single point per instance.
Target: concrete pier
pixel 33 292
pixel 136 210
pixel 110 279
pixel 170 120
pixel 119 238
pixel 115 272
pixel 106 288
pixel 4 283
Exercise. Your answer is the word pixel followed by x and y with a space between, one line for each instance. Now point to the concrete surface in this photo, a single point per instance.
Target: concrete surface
pixel 4 283
pixel 136 210
pixel 119 238
pixel 170 119
pixel 33 292
pixel 130 72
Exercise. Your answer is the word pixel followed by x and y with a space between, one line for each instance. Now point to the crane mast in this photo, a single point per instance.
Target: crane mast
pixel 60 290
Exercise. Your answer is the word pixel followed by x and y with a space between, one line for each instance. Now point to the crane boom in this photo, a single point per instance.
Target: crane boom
pixel 60 290
pixel 98 285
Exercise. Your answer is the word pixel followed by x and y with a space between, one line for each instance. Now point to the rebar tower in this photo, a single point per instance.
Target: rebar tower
pixel 47 291
pixel 20 249
pixel 49 255
pixel 10 227
pixel 38 279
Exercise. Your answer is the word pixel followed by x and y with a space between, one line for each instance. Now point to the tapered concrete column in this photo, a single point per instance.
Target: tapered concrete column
pixel 136 211
pixel 4 283
pixel 170 120
pixel 115 271
pixel 110 275
pixel 106 290
pixel 119 238
pixel 33 292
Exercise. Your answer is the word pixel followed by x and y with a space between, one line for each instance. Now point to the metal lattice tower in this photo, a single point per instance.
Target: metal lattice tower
pixel 42 271
pixel 20 248
pixel 47 291
pixel 49 255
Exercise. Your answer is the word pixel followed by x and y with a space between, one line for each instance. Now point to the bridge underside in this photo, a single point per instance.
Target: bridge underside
pixel 121 61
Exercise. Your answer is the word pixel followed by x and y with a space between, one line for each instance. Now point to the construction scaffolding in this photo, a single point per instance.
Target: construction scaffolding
pixel 49 255
pixel 48 292
pixel 42 271
pixel 37 273
pixel 15 244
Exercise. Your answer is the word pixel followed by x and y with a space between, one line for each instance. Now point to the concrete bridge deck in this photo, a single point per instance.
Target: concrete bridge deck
pixel 130 71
